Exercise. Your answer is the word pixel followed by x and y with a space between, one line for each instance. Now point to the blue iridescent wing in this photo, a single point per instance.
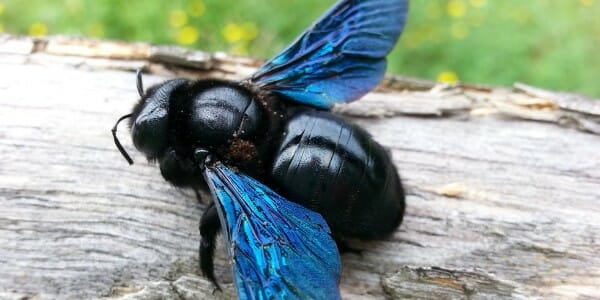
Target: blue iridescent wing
pixel 279 249
pixel 341 57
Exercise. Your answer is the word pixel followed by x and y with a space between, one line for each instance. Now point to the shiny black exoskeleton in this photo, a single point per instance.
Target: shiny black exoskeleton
pixel 337 169
pixel 309 156
pixel 177 117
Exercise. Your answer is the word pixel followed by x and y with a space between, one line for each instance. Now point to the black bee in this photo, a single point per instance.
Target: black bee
pixel 274 129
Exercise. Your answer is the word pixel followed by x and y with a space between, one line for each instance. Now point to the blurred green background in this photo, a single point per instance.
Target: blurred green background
pixel 549 43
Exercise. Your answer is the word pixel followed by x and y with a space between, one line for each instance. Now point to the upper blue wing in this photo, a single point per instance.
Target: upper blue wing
pixel 339 58
pixel 279 249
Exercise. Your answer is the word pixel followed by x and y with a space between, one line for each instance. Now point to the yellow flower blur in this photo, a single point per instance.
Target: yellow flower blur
pixel 456 8
pixel 234 33
pixel 1 8
pixel 38 29
pixel 447 77
pixel 187 35
pixel 587 3
pixel 196 8
pixel 177 18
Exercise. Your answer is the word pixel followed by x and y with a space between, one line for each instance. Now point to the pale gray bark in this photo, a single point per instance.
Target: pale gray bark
pixel 503 185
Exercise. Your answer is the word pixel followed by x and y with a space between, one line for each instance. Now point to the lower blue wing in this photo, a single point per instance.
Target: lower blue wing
pixel 279 249
pixel 341 57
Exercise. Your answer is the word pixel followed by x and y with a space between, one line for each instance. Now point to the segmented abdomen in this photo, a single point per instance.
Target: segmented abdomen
pixel 336 168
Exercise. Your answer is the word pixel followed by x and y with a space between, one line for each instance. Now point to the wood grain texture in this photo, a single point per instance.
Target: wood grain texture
pixel 503 185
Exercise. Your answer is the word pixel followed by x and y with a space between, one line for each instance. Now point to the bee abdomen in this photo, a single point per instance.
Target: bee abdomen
pixel 337 169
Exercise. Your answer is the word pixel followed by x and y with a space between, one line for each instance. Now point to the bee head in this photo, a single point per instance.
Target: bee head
pixel 174 119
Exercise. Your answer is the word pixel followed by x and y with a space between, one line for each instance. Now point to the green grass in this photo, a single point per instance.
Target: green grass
pixel 552 44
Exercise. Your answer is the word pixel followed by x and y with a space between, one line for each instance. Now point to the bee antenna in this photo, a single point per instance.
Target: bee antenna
pixel 139 83
pixel 114 133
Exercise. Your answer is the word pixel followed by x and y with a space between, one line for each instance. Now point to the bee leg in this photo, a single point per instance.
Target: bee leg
pixel 344 247
pixel 209 227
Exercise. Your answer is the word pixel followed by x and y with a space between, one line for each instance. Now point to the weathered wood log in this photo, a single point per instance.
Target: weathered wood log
pixel 503 185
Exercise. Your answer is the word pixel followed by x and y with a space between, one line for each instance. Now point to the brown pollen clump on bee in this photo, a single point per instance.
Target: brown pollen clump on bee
pixel 241 151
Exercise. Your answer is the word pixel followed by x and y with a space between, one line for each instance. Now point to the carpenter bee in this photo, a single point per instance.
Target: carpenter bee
pixel 290 181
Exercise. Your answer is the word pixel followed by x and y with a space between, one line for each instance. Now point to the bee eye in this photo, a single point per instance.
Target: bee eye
pixel 150 127
pixel 149 131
